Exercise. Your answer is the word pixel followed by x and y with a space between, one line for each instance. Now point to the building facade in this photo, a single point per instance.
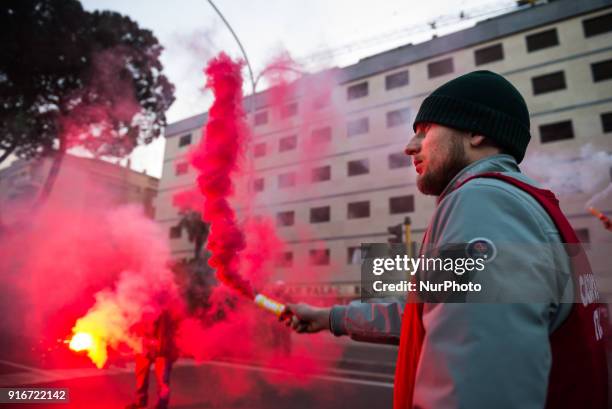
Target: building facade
pixel 82 182
pixel 558 54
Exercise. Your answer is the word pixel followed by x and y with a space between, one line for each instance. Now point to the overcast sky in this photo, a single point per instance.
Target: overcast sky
pixel 191 32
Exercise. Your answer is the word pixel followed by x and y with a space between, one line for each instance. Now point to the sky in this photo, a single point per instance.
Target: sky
pixel 191 33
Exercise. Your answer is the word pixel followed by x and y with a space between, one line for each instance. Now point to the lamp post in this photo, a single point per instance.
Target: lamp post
pixel 252 78
pixel 244 54
pixel 407 235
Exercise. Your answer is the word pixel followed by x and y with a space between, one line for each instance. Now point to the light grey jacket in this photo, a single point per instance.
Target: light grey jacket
pixel 494 355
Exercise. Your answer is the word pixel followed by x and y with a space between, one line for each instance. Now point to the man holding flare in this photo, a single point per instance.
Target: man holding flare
pixel 470 135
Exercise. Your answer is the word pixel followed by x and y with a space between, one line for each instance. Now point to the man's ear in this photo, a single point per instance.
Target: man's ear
pixel 477 139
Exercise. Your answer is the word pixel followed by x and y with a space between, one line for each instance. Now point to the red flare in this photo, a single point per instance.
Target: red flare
pixel 604 219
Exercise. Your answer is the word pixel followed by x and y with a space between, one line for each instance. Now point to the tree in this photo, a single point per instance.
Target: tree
pixel 197 230
pixel 71 78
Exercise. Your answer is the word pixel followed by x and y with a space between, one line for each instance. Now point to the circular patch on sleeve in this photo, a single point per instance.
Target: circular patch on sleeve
pixel 481 247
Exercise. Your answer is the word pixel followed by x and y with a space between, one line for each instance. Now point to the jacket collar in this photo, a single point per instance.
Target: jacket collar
pixel 495 163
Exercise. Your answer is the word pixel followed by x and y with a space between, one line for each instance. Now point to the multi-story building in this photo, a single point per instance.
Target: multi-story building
pixel 84 182
pixel 557 53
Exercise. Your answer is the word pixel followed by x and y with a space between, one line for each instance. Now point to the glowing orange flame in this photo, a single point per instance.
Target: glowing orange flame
pixel 90 342
pixel 81 341
pixel 604 219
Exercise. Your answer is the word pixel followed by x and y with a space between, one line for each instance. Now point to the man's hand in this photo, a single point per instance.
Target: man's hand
pixel 306 318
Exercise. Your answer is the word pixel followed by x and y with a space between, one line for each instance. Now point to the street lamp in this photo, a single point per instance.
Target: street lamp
pixel 254 81
pixel 244 54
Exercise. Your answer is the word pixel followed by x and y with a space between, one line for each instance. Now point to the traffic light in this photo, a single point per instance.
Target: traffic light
pixel 407 233
pixel 397 233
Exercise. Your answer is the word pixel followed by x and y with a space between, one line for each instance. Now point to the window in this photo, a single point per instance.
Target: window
pixel 556 131
pixel 541 40
pixel 398 117
pixel 319 257
pixel 185 140
pixel 401 204
pixel 181 168
pixel 321 174
pixel 358 210
pixel 259 150
pixel 357 91
pixel 489 54
pixel 285 259
pixel 602 70
pixel 358 167
pixel 606 122
pixel 320 214
pixel 175 232
pixel 353 255
pixel 287 143
pixel 258 184
pixel 583 235
pixel 358 126
pixel 548 83
pixel 289 110
pixel 261 118
pixel 285 218
pixel 321 101
pixel 286 179
pixel 597 25
pixel 399 79
pixel 399 160
pixel 321 135
pixel 439 68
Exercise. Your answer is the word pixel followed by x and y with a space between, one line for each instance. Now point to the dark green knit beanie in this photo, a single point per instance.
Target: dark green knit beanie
pixel 481 102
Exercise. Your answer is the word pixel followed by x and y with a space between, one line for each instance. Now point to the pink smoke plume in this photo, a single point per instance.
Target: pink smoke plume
pixel 186 200
pixel 144 289
pixel 216 161
pixel 104 109
pixel 291 84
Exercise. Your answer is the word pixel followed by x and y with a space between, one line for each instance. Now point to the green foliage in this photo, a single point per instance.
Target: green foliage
pixel 197 230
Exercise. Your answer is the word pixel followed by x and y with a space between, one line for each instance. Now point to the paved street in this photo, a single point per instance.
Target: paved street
pixel 363 378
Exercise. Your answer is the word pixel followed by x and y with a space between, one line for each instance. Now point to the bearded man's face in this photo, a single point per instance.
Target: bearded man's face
pixel 438 155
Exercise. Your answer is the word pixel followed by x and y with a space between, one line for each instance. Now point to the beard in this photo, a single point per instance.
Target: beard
pixel 437 177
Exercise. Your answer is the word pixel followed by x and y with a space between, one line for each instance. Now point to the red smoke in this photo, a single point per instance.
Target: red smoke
pixel 216 160
pixel 105 108
pixel 186 200
pixel 79 252
pixel 262 248
pixel 312 94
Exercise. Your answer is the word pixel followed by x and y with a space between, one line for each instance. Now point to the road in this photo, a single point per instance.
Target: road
pixel 361 378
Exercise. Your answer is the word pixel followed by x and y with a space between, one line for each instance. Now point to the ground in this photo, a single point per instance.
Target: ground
pixel 362 378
